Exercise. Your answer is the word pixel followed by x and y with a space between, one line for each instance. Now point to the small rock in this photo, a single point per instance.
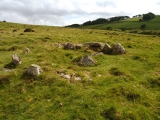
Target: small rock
pixel 57 45
pixel 16 60
pixel 67 76
pixel 34 70
pixel 86 61
pixel 69 46
pixel 77 78
pixel 89 80
pixel 27 50
pixel 99 75
pixel 60 104
pixel 61 74
pixel 6 70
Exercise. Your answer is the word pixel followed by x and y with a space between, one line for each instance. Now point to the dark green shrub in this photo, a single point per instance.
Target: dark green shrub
pixel 143 26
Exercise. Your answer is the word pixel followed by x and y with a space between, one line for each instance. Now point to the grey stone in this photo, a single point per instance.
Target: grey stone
pixel 86 61
pixel 69 46
pixel 27 50
pixel 106 49
pixel 77 78
pixel 78 46
pixel 34 70
pixel 6 70
pixel 117 49
pixel 16 60
pixel 95 46
pixel 67 76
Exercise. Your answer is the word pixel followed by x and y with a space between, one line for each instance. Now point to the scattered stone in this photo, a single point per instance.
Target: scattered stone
pixel 77 78
pixel 106 49
pixel 90 80
pixel 62 74
pixel 86 61
pixel 60 104
pixel 67 76
pixel 95 46
pixel 29 30
pixel 69 46
pixel 16 60
pixel 117 49
pixel 78 46
pixel 27 50
pixel 99 75
pixel 57 45
pixel 34 70
pixel 6 70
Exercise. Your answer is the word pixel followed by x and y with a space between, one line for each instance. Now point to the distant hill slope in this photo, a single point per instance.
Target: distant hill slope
pixel 131 23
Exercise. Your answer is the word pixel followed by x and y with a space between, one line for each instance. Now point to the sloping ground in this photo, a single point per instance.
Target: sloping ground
pixel 132 23
pixel 118 87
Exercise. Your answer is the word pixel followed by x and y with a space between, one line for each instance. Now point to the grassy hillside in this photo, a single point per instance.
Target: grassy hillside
pixel 118 87
pixel 131 23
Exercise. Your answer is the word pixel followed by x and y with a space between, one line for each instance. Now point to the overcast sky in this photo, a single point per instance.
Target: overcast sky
pixel 66 12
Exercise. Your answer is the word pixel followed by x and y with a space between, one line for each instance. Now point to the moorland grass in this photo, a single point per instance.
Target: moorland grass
pixel 117 87
pixel 129 24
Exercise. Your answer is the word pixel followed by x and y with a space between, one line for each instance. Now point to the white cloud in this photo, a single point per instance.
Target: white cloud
pixel 65 12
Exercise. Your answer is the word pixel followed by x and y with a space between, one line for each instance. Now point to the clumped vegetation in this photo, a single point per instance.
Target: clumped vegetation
pixel 117 87
pixel 148 16
pixel 125 24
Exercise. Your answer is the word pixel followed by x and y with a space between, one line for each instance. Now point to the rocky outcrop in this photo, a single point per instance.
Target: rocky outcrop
pixel 16 60
pixel 86 61
pixel 69 76
pixel 117 49
pixel 34 70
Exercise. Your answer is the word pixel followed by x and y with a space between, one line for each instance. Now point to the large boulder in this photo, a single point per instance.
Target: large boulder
pixel 95 46
pixel 117 49
pixel 16 60
pixel 106 49
pixel 34 70
pixel 86 61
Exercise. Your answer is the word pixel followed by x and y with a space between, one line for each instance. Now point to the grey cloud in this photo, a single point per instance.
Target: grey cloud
pixel 106 3
pixel 51 12
pixel 32 12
